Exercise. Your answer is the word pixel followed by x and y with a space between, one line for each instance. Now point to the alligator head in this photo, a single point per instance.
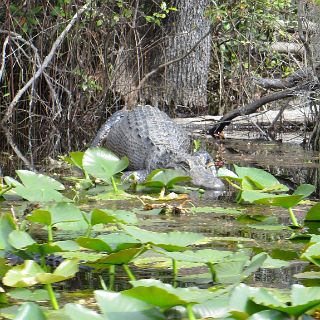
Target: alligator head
pixel 202 172
pixel 199 167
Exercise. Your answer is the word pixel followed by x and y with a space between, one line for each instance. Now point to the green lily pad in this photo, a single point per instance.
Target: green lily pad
pixel 30 310
pixel 307 275
pixel 75 158
pixel 216 210
pixel 164 295
pixel 30 273
pixel 117 258
pixel 61 212
pixel 102 163
pixel 171 241
pixel 38 187
pixel 200 256
pixel 7 225
pixel 110 242
pixel 312 254
pixel 279 200
pixel 314 213
pixel 112 216
pixel 29 295
pixel 165 178
pixel 260 178
pixel 298 302
pixel 20 239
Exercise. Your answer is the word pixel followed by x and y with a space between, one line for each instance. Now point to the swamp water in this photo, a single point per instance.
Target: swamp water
pixel 229 226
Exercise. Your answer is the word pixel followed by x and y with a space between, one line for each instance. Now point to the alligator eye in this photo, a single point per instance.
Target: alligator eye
pixel 184 165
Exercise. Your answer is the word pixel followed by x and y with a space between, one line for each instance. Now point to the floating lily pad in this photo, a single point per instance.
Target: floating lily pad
pixel 30 273
pixel 171 241
pixel 216 210
pixel 37 187
pixel 29 295
pixel 30 310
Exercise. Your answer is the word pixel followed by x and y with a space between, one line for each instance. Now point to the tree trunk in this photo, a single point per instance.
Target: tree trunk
pixel 180 85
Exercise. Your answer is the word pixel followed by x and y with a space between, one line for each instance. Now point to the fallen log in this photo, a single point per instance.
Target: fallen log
pixel 252 107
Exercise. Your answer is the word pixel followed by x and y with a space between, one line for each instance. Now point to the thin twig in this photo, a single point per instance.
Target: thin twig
pixel 44 65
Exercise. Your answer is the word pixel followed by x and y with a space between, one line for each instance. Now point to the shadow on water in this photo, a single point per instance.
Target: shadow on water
pixel 291 164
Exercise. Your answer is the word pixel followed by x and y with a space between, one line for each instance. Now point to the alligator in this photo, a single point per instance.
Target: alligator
pixel 152 140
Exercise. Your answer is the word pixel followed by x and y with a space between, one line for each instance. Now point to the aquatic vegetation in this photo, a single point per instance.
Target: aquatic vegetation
pixel 105 239
pixel 165 179
pixel 260 187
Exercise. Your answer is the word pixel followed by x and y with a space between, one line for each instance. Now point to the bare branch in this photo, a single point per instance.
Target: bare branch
pixel 44 65
pixel 3 61
pixel 289 82
pixel 255 105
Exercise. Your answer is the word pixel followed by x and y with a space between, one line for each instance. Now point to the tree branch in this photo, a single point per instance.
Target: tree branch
pixel 255 105
pixel 31 82
pixel 44 65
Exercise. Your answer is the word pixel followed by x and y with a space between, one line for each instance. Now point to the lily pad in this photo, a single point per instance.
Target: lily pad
pixel 102 163
pixel 30 273
pixel 165 178
pixel 39 188
pixel 171 241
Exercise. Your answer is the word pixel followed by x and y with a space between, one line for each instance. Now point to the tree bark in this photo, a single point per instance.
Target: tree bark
pixel 148 68
pixel 186 81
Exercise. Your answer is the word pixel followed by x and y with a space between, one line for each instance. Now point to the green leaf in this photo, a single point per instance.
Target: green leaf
pixel 256 262
pixel 305 190
pixel 302 299
pixel 30 273
pixel 226 173
pixel 314 213
pixel 119 306
pixel 66 270
pixel 200 256
pixel 34 180
pixel 238 267
pixel 23 275
pixel 7 225
pixel 216 210
pixel 93 244
pixel 112 216
pixel 171 241
pixel 79 312
pixel 30 310
pixel 249 300
pixel 117 258
pixel 40 194
pixel 269 315
pixel 278 200
pixel 102 163
pixel 217 308
pixel 271 263
pixel 164 295
pixel 110 243
pixel 29 295
pixel 38 187
pixel 119 241
pixel 260 178
pixel 75 158
pixel 307 275
pixel 61 212
pixel 20 239
pixel 312 254
pixel 165 178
